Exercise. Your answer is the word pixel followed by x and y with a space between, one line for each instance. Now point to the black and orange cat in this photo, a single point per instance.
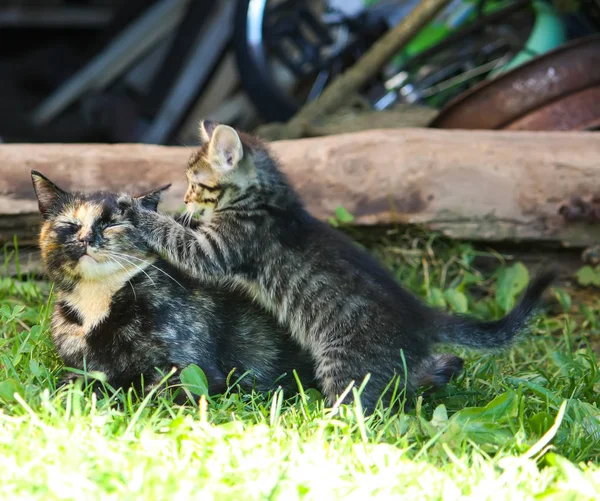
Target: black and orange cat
pixel 127 313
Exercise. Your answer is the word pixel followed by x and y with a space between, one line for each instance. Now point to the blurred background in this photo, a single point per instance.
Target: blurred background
pixel 147 70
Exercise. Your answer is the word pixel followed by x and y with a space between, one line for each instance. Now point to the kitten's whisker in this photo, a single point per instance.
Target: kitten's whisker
pixel 153 266
pixel 187 216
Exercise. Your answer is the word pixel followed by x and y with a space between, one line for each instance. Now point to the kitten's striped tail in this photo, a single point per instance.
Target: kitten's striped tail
pixel 499 333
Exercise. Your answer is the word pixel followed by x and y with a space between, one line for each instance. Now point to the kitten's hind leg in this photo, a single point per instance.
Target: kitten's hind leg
pixel 437 370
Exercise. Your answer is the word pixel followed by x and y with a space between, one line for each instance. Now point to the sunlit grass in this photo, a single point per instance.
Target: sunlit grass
pixel 520 424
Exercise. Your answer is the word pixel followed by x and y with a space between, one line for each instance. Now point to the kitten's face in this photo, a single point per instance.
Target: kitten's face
pixel 86 236
pixel 217 170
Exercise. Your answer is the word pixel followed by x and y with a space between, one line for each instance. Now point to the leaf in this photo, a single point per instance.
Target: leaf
pixel 469 279
pixel 8 388
pixel 511 283
pixel 487 434
pixel 343 216
pixel 194 379
pixel 457 300
pixel 484 309
pixel 5 312
pixel 486 425
pixel 437 297
pixel 589 418
pixel 587 276
pixel 498 411
pixel 34 367
pixel 440 417
pixel 17 310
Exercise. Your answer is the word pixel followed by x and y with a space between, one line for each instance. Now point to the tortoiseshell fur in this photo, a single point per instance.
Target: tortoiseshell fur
pixel 129 313
pixel 336 299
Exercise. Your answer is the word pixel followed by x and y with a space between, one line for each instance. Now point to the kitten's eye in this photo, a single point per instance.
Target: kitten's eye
pixel 113 225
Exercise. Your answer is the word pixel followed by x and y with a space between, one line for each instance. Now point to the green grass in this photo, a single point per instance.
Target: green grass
pixel 521 424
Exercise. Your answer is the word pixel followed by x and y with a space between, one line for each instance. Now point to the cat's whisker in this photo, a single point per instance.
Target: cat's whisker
pixel 153 266
pixel 127 261
pixel 113 260
pixel 118 256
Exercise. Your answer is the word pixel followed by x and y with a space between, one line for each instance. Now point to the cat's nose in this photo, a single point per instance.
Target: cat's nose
pixel 186 198
pixel 86 237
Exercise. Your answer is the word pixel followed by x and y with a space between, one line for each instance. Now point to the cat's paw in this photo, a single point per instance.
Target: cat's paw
pixel 67 379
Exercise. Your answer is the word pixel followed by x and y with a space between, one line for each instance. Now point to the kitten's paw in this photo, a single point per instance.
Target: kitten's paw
pixel 129 207
pixel 125 201
pixel 437 370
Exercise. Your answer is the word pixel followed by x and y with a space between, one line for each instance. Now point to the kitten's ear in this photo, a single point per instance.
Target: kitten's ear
pixel 206 129
pixel 225 149
pixel 46 191
pixel 151 199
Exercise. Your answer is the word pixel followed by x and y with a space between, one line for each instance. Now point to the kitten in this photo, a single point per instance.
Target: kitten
pixel 125 312
pixel 336 299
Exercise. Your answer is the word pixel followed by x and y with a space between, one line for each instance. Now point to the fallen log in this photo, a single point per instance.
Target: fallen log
pixel 476 185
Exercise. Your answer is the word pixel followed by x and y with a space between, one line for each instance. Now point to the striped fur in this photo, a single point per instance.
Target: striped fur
pixel 254 234
pixel 125 312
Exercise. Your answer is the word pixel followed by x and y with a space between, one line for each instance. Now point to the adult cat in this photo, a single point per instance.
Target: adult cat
pixel 123 311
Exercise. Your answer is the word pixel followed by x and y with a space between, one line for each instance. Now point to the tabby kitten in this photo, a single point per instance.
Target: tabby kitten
pixel 336 299
pixel 125 312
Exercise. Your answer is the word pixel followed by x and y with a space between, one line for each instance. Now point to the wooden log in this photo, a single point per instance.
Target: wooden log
pixel 476 185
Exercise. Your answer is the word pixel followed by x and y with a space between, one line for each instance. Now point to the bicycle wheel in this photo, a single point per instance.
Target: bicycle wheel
pixel 288 50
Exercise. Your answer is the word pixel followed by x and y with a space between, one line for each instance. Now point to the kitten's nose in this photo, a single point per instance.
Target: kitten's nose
pixel 186 198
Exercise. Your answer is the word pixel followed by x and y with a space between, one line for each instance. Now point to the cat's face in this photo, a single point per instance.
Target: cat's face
pixel 221 167
pixel 86 236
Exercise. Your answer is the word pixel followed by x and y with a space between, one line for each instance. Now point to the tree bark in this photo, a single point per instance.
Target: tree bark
pixel 476 185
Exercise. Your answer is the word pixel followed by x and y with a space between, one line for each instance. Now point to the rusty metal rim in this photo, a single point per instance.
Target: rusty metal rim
pixel 580 111
pixel 464 108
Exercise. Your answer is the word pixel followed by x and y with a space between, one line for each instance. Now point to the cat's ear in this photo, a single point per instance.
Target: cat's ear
pixel 46 191
pixel 151 199
pixel 225 149
pixel 206 129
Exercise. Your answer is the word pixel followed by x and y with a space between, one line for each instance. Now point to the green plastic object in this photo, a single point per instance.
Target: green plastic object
pixel 548 33
pixel 453 16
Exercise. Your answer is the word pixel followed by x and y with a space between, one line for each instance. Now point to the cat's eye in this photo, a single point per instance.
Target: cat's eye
pixel 114 224
pixel 71 225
